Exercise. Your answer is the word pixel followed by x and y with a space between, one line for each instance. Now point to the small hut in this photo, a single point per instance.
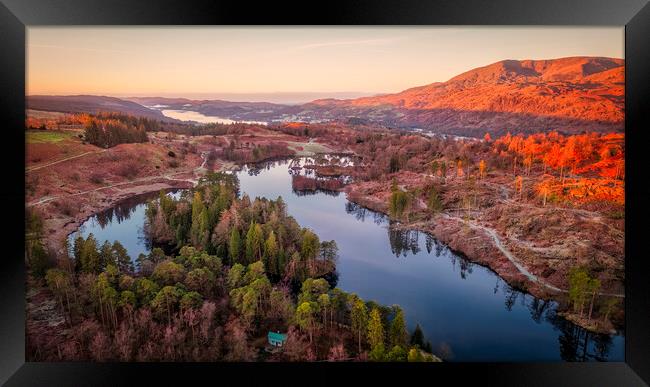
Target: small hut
pixel 276 339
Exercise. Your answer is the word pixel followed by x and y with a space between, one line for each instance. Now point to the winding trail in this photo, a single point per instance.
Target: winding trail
pixel 521 268
pixel 168 176
pixel 62 160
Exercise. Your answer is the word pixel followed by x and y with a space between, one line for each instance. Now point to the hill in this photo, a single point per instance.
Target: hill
pixel 569 94
pixel 91 104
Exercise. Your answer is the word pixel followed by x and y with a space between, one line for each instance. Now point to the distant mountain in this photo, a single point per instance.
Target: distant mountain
pixel 569 94
pixel 91 104
pixel 241 111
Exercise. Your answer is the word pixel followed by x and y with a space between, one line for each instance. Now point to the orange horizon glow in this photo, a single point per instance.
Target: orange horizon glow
pixel 194 61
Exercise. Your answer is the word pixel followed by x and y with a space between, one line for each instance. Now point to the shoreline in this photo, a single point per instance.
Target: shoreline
pixel 455 234
pixel 57 230
pixel 445 228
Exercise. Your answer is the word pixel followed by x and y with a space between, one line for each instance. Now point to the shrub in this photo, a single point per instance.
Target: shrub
pixel 173 164
pixel 129 169
pixel 66 207
pixel 171 154
pixel 96 178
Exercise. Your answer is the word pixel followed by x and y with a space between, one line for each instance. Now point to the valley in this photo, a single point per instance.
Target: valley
pixel 513 174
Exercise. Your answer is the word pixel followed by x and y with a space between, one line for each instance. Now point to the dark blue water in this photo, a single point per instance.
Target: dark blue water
pixel 123 222
pixel 466 311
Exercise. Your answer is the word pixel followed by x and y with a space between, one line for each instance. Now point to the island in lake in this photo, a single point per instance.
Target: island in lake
pixel 479 218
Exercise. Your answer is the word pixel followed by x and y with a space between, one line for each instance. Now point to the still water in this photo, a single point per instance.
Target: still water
pixel 189 115
pixel 466 311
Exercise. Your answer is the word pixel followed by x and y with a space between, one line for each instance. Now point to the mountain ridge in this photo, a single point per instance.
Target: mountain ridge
pixel 571 94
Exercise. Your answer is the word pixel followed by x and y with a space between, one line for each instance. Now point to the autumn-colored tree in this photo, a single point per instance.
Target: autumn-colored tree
pixel 375 329
pixel 280 305
pixel 237 342
pixel 519 185
pixel 359 317
pixel 481 168
pixel 337 353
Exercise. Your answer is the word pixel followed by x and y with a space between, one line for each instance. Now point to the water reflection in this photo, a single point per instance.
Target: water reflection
pixel 466 310
pixel 123 222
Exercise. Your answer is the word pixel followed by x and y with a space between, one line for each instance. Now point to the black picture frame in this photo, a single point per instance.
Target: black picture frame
pixel 16 15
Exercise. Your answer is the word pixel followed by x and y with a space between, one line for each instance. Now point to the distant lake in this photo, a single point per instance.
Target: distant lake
pixel 189 115
pixel 466 310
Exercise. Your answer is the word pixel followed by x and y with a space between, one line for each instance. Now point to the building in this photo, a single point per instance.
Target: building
pixel 276 339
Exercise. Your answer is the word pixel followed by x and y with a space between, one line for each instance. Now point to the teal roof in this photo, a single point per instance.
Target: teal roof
pixel 277 336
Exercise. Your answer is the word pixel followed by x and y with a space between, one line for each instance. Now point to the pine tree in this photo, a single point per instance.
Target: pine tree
pixel 122 259
pixel 106 254
pixel 417 338
pixel 254 243
pixel 398 333
pixel 197 209
pixel 234 246
pixel 270 253
pixel 90 256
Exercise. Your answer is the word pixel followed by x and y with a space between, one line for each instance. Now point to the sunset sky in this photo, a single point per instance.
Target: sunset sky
pixel 251 62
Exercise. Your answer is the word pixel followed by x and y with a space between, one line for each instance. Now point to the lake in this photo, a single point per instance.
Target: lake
pixel 189 115
pixel 465 310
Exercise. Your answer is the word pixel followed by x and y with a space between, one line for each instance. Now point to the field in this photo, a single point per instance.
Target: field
pixel 44 115
pixel 49 136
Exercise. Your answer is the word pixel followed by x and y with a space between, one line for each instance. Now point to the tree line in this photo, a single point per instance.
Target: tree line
pixel 237 269
pixel 109 129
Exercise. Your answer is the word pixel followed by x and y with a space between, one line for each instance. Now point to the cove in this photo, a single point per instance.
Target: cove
pixel 466 311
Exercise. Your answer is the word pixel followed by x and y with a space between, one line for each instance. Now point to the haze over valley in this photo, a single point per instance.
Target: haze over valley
pixel 325 194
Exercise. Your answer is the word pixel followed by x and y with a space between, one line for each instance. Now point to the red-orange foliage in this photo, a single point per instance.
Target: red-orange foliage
pixel 303 183
pixel 590 154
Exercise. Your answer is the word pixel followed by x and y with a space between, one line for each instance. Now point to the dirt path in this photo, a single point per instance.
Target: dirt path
pixel 148 178
pixel 200 169
pixel 521 268
pixel 62 160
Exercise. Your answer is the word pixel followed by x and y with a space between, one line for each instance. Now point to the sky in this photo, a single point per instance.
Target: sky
pixel 285 64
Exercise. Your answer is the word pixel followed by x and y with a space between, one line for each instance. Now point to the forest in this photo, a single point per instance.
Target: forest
pixel 109 129
pixel 227 271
